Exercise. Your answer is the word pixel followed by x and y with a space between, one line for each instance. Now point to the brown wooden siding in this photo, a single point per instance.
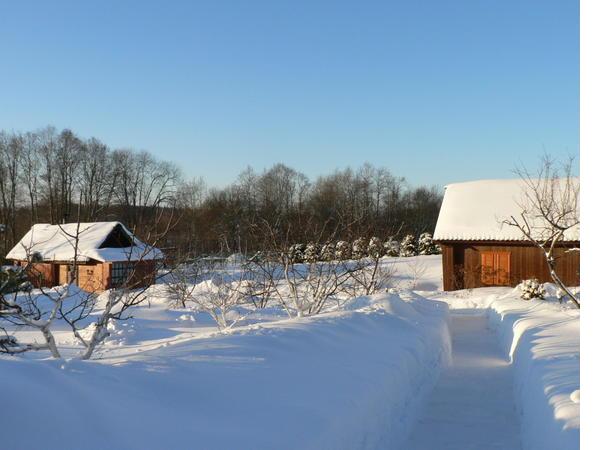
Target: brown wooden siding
pixel 462 263
pixel 144 274
pixel 42 274
pixel 91 276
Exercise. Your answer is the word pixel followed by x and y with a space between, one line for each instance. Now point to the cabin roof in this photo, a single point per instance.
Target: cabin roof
pixel 475 210
pixel 100 241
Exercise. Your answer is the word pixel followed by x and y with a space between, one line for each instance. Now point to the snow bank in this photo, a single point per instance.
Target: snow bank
pixel 351 379
pixel 542 339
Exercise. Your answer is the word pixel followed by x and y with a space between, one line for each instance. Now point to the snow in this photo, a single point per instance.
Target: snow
pixel 56 243
pixel 469 407
pixel 381 372
pixel 541 338
pixel 350 379
pixel 475 210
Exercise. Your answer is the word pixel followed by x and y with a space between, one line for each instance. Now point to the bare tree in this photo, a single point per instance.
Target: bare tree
pixel 549 211
pixel 32 309
pixel 31 171
pixel 96 179
pixel 10 155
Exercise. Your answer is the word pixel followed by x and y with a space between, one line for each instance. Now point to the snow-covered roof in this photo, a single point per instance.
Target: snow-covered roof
pixel 475 210
pixel 57 243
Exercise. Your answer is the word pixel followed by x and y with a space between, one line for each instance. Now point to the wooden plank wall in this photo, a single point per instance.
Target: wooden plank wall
pixel 144 274
pixel 40 274
pixel 526 261
pixel 92 276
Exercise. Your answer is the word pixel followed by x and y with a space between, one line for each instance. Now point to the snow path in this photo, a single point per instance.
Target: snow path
pixel 472 406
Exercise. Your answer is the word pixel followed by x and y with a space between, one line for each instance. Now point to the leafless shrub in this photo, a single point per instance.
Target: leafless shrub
pixel 367 276
pixel 416 270
pixel 184 275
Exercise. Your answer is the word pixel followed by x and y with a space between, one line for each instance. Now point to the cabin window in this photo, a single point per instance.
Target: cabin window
pixel 120 273
pixel 495 268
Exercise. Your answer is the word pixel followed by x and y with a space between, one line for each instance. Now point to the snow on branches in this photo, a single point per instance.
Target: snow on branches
pixel 532 288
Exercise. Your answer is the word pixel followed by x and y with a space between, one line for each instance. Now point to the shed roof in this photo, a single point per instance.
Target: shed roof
pixel 475 210
pixel 57 243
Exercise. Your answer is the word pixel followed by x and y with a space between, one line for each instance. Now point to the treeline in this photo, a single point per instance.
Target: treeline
pixel 53 177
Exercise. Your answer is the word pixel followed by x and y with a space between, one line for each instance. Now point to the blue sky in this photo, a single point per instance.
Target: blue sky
pixel 437 91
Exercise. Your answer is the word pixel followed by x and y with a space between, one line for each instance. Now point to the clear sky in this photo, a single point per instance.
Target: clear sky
pixel 437 91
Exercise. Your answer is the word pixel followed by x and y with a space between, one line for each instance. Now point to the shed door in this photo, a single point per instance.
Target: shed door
pixel 495 268
pixel 63 274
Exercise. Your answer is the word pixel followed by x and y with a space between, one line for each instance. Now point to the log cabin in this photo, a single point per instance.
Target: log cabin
pixel 108 255
pixel 479 250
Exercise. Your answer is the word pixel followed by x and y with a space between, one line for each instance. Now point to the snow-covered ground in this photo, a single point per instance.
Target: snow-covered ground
pixel 540 341
pixel 350 378
pixel 372 374
pixel 472 405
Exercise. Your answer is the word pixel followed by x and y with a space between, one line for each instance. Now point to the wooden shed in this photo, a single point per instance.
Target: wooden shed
pixel 479 250
pixel 108 256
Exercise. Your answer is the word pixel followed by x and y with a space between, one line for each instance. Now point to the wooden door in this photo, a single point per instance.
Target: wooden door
pixel 503 268
pixel 63 275
pixel 495 268
pixel 487 268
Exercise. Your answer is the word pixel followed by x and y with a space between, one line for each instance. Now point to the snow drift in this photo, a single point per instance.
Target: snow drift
pixel 542 339
pixel 351 379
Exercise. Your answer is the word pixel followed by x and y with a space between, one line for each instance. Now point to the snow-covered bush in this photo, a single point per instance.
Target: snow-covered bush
pixel 359 248
pixel 427 246
pixel 532 288
pixel 327 252
pixel 296 253
pixel 407 246
pixel 311 253
pixel 375 248
pixel 342 250
pixel 392 247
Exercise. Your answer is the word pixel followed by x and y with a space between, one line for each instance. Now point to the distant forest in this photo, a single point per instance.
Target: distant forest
pixel 47 176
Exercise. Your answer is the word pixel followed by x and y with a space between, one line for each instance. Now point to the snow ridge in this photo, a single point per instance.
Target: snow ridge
pixel 542 340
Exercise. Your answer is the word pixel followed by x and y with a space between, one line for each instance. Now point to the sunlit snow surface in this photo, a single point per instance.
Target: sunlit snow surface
pixel 357 378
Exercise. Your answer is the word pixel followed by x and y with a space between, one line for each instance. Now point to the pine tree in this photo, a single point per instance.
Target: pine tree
pixel 375 249
pixel 311 253
pixel 296 253
pixel 359 248
pixel 407 246
pixel 392 248
pixel 427 246
pixel 327 252
pixel 342 250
